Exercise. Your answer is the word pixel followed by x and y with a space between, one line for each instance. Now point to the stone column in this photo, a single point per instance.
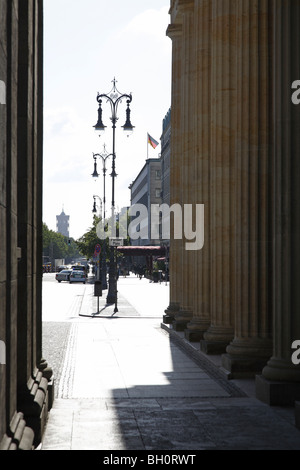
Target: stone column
pixel 222 182
pixel 187 174
pixel 174 32
pixel 279 383
pixel 32 386
pixel 252 344
pixel 202 144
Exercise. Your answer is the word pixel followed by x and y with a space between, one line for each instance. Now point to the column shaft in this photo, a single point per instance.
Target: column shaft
pixel 252 343
pixel 184 315
pixel 222 183
pixel 202 145
pixel 175 253
pixel 280 380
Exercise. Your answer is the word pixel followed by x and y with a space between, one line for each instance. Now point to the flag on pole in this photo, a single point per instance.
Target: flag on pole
pixel 152 141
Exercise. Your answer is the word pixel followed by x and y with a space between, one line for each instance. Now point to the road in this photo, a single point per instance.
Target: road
pixel 63 302
pixel 67 304
pixel 121 383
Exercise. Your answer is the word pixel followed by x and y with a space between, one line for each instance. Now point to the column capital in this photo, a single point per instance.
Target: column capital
pixel 174 31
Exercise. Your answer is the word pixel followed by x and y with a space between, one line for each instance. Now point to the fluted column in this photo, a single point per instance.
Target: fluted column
pixel 280 380
pixel 252 344
pixel 187 175
pixel 174 32
pixel 202 144
pixel 222 182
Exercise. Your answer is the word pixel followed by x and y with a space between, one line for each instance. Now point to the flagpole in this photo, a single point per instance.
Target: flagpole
pixel 147 147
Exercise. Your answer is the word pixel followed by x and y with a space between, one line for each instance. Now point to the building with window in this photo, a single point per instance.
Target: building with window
pixel 146 191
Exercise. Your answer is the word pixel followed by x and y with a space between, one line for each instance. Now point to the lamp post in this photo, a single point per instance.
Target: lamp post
pixel 99 271
pixel 95 206
pixel 114 98
pixel 104 156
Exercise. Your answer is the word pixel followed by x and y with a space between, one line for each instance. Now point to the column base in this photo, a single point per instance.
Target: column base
pixel 242 367
pixel 277 393
pixel 195 330
pixel 216 339
pixel 213 347
pixel 246 357
pixel 33 403
pixel 279 383
pixel 18 436
pixel 170 313
pixel 182 318
pixel 48 374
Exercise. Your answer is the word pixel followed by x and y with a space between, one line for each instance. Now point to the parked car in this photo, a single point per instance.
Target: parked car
pixel 80 267
pixel 63 275
pixel 77 276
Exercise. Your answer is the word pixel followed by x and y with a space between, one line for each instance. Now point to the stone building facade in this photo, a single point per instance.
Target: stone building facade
pixel 146 190
pixel 235 147
pixel 25 378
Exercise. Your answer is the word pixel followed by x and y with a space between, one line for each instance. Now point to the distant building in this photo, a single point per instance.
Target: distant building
pixel 146 190
pixel 165 158
pixel 62 224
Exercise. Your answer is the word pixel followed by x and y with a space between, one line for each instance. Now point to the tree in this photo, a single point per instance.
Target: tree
pixel 56 246
pixel 87 243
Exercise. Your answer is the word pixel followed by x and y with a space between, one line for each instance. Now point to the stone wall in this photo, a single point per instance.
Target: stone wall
pixel 25 379
pixel 235 149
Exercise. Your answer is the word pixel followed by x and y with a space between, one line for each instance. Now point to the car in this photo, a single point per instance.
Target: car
pixel 77 276
pixel 80 267
pixel 63 275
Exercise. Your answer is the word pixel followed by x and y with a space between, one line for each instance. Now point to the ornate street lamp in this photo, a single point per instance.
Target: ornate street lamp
pixel 101 271
pixel 104 156
pixel 114 98
pixel 95 206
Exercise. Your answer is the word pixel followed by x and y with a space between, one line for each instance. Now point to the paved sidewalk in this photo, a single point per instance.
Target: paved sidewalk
pixel 127 385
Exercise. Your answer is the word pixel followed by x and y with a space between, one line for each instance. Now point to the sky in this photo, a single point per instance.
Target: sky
pixel 86 45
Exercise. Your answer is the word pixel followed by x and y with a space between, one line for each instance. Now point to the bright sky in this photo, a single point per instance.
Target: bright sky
pixel 87 44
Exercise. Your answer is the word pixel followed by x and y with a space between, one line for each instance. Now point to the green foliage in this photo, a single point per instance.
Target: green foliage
pixel 56 246
pixel 86 244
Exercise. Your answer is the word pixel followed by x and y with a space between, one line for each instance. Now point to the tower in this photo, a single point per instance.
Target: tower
pixel 62 223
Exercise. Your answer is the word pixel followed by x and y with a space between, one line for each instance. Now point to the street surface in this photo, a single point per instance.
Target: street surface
pixel 63 302
pixel 122 383
pixel 67 304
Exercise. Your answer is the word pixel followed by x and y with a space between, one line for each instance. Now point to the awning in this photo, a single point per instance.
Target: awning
pixel 142 250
